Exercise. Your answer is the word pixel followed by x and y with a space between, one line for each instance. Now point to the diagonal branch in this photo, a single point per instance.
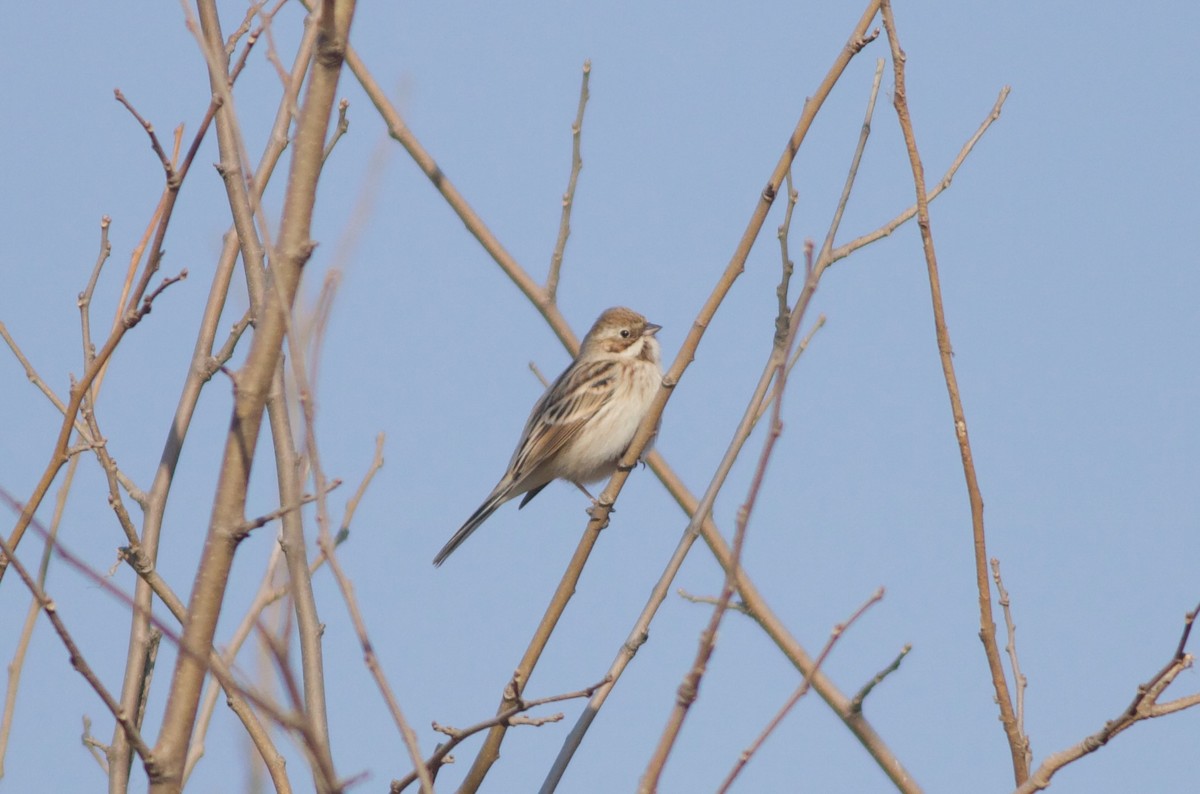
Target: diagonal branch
pixel 777 365
pixel 77 659
pixel 509 717
pixel 1144 706
pixel 987 626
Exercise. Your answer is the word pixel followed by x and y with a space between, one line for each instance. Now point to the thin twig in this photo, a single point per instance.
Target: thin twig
pixel 800 692
pixel 343 126
pixel 568 199
pixel 303 374
pixel 110 472
pixel 18 661
pixel 280 512
pixel 509 717
pixel 304 363
pixel 222 356
pixel 761 612
pixel 85 298
pixel 77 659
pixel 783 233
pixel 353 502
pixel 1019 681
pixel 134 316
pixel 1144 706
pixel 827 246
pixel 843 251
pixel 987 626
pixel 537 373
pixel 168 168
pixel 856 703
pixel 736 606
pixel 98 750
pixel 33 377
pixel 244 28
pixel 801 346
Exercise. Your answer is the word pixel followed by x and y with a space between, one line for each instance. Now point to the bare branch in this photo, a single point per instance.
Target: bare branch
pixel 280 512
pixel 772 625
pixel 353 502
pixel 135 316
pixel 18 662
pixel 568 200
pixel 843 251
pixel 987 627
pixel 168 168
pixel 1019 680
pixel 509 717
pixel 800 692
pixel 96 749
pixel 294 249
pixel 702 524
pixel 856 703
pixel 1144 706
pixel 78 661
pixel 777 363
pixel 736 606
pixel 85 297
pixel 783 233
pixel 198 370
pixel 343 125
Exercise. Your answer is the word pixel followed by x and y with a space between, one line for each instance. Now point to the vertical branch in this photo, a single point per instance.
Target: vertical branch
pixel 253 385
pixel 800 692
pixel 987 625
pixel 568 200
pixel 1019 680
pixel 199 369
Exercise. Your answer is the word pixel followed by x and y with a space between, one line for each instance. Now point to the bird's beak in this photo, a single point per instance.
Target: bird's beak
pixel 651 329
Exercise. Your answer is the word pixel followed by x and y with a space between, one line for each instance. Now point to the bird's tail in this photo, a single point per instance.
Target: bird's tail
pixel 485 510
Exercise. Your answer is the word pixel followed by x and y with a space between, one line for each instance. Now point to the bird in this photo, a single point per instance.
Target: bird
pixel 582 425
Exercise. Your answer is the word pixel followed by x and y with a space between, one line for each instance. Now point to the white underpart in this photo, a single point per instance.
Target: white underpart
pixel 594 453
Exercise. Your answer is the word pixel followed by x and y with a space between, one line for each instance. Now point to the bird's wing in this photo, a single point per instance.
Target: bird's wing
pixel 568 405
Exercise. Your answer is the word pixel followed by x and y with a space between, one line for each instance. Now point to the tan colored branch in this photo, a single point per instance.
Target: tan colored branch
pixel 253 385
pixel 568 199
pixel 987 626
pixel 1143 707
pixel 800 692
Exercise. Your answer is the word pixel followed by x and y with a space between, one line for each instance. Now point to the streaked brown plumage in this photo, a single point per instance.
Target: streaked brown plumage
pixel 583 424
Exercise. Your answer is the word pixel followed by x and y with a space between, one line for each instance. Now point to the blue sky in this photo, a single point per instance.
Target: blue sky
pixel 1069 277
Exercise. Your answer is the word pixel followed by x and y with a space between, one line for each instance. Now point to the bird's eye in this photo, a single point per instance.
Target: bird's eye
pixel 624 333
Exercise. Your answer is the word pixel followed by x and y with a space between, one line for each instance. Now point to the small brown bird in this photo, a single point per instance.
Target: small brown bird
pixel 583 424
